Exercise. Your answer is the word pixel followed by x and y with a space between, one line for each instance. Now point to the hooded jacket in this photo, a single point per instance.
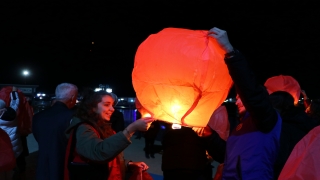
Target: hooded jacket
pixel 10 126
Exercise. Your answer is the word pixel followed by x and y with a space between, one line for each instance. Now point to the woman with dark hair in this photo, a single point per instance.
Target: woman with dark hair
pixel 94 149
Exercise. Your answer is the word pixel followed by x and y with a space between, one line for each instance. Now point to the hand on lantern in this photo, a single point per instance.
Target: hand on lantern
pixel 198 130
pixel 143 165
pixel 222 38
pixel 203 131
pixel 141 124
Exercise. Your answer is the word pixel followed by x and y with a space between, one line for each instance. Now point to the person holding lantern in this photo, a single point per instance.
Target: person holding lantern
pixel 253 146
pixel 94 150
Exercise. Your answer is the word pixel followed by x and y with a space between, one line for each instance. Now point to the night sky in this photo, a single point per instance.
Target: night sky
pixel 53 39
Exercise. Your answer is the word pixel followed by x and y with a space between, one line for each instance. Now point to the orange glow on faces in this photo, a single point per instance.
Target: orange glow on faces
pixel 105 107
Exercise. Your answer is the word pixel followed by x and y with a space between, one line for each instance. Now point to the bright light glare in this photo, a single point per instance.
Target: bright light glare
pixel 109 90
pixel 25 73
pixel 147 115
pixel 97 89
pixel 175 108
pixel 176 126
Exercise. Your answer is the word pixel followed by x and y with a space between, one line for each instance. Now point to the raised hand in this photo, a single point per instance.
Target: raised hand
pixel 141 124
pixel 143 165
pixel 222 38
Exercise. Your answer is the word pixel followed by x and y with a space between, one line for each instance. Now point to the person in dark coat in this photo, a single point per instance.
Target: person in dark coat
pixel 117 118
pixel 184 153
pixel 253 146
pixel 49 127
pixel 150 136
pixel 295 125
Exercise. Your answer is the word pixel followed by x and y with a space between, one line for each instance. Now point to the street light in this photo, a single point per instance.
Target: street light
pixel 104 87
pixel 25 73
pixel 109 90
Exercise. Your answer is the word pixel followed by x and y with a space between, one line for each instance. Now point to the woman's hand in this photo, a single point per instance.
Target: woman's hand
pixel 139 164
pixel 203 132
pixel 140 125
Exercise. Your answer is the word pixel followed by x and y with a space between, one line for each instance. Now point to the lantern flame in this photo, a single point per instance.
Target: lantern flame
pixel 174 109
pixel 146 115
pixel 176 126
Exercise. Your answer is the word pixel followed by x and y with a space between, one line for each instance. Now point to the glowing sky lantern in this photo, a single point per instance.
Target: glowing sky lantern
pixel 179 76
pixel 284 83
pixel 141 109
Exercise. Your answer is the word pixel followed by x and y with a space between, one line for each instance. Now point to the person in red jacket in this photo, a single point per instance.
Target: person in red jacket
pixel 7 158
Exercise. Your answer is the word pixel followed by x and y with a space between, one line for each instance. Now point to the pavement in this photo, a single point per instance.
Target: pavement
pixel 133 152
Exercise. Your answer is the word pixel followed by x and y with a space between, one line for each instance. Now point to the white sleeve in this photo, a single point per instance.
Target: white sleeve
pixel 14 103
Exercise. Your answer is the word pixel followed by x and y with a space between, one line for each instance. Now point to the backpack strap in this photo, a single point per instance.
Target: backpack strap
pixel 73 141
pixel 85 169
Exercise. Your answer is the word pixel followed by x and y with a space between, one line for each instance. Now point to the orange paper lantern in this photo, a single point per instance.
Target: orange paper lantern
pixel 179 76
pixel 284 83
pixel 303 162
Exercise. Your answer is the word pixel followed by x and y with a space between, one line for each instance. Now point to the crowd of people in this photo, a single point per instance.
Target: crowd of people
pixel 87 141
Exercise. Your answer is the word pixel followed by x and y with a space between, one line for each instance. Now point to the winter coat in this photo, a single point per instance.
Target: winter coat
pixel 90 147
pixel 253 145
pixel 295 125
pixel 48 129
pixel 10 126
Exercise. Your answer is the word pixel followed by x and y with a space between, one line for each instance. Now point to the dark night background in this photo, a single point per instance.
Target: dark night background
pixel 52 39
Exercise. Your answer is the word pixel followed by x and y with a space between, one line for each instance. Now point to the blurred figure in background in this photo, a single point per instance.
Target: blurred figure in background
pixel 150 136
pixel 312 107
pixel 116 118
pixel 284 93
pixel 295 125
pixel 9 123
pixel 49 128
pixel 7 159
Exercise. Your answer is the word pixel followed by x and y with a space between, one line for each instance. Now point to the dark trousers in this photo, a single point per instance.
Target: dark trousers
pixel 21 159
pixel 185 174
pixel 149 145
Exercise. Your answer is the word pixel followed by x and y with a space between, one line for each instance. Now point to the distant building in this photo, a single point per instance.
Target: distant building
pixel 27 90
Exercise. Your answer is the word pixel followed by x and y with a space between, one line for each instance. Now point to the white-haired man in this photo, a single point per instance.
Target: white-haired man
pixel 49 127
